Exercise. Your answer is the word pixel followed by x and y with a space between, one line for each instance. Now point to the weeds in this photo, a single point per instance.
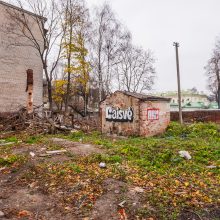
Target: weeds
pixel 11 159
pixel 171 183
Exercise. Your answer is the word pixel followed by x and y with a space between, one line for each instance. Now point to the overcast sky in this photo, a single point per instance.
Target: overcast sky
pixel 155 24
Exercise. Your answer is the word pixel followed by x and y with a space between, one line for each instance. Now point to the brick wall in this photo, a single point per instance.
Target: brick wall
pixel 140 125
pixel 198 116
pixel 15 59
pixel 158 126
pixel 119 100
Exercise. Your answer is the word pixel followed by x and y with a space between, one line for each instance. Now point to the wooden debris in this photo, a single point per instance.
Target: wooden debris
pixel 40 122
pixel 56 152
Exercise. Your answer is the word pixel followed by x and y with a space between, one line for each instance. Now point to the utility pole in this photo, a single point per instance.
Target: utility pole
pixel 176 45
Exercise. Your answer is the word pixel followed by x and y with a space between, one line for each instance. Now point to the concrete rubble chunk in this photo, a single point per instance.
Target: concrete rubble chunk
pixel 138 189
pixel 32 154
pixel 5 144
pixel 185 154
pixel 102 165
pixel 55 152
pixel 2 214
pixel 121 204
pixel 211 167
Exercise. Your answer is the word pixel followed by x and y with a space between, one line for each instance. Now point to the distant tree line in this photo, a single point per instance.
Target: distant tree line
pixel 85 54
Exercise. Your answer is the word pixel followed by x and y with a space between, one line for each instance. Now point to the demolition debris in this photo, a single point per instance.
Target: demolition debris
pixel 39 122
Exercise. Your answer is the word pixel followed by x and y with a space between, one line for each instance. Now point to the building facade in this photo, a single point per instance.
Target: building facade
pixel 190 100
pixel 126 114
pixel 17 56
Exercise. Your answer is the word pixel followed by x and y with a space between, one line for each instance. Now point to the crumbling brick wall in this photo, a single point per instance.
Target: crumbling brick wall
pixel 198 116
pixel 15 60
pixel 158 125
pixel 119 100
pixel 141 124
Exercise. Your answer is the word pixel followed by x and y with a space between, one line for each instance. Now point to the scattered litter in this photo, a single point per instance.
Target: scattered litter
pixel 102 165
pixel 211 167
pixel 122 214
pixel 185 154
pixel 5 144
pixel 33 185
pixel 121 204
pixel 32 154
pixel 55 152
pixel 117 191
pixel 138 189
pixel 2 214
pixel 67 208
pixel 24 213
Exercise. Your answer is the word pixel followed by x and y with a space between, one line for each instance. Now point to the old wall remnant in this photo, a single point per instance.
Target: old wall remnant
pixel 125 113
pixel 16 57
pixel 198 116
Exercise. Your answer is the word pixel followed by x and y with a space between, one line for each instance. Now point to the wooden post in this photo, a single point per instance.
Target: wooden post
pixel 176 45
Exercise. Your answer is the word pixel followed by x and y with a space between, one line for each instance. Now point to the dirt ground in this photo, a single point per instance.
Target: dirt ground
pixel 21 199
pixel 25 192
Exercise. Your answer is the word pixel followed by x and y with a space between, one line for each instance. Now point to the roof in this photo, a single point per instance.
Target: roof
pixel 144 97
pixel 22 10
pixel 194 105
pixel 213 105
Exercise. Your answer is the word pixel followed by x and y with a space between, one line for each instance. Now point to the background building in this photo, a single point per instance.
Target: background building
pixel 191 100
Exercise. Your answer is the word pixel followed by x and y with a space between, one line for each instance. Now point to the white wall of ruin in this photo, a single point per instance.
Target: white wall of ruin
pixel 15 59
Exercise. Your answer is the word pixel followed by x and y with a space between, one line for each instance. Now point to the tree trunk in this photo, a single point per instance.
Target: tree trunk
pixel 67 94
pixel 218 95
pixel 50 99
pixel 100 85
pixel 85 109
pixel 49 86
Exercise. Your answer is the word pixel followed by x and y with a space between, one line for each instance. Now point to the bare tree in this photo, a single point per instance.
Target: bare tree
pixel 213 72
pixel 135 72
pixel 115 40
pixel 47 42
pixel 116 62
pixel 105 27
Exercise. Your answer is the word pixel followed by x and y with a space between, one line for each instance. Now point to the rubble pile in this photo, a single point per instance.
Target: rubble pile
pixel 40 122
pixel 21 120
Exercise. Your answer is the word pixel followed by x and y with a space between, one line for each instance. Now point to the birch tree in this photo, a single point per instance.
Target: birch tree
pixel 104 25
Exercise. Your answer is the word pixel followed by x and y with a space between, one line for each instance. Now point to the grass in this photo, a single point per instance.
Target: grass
pixel 171 183
pixel 154 162
pixel 11 159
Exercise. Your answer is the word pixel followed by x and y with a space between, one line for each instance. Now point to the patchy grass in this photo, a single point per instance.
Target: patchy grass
pixel 171 183
pixel 33 139
pixel 11 159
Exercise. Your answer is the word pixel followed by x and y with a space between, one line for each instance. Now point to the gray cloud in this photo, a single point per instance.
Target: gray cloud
pixel 155 24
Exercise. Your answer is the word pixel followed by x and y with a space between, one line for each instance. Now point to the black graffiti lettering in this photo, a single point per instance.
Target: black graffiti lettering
pixel 119 115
